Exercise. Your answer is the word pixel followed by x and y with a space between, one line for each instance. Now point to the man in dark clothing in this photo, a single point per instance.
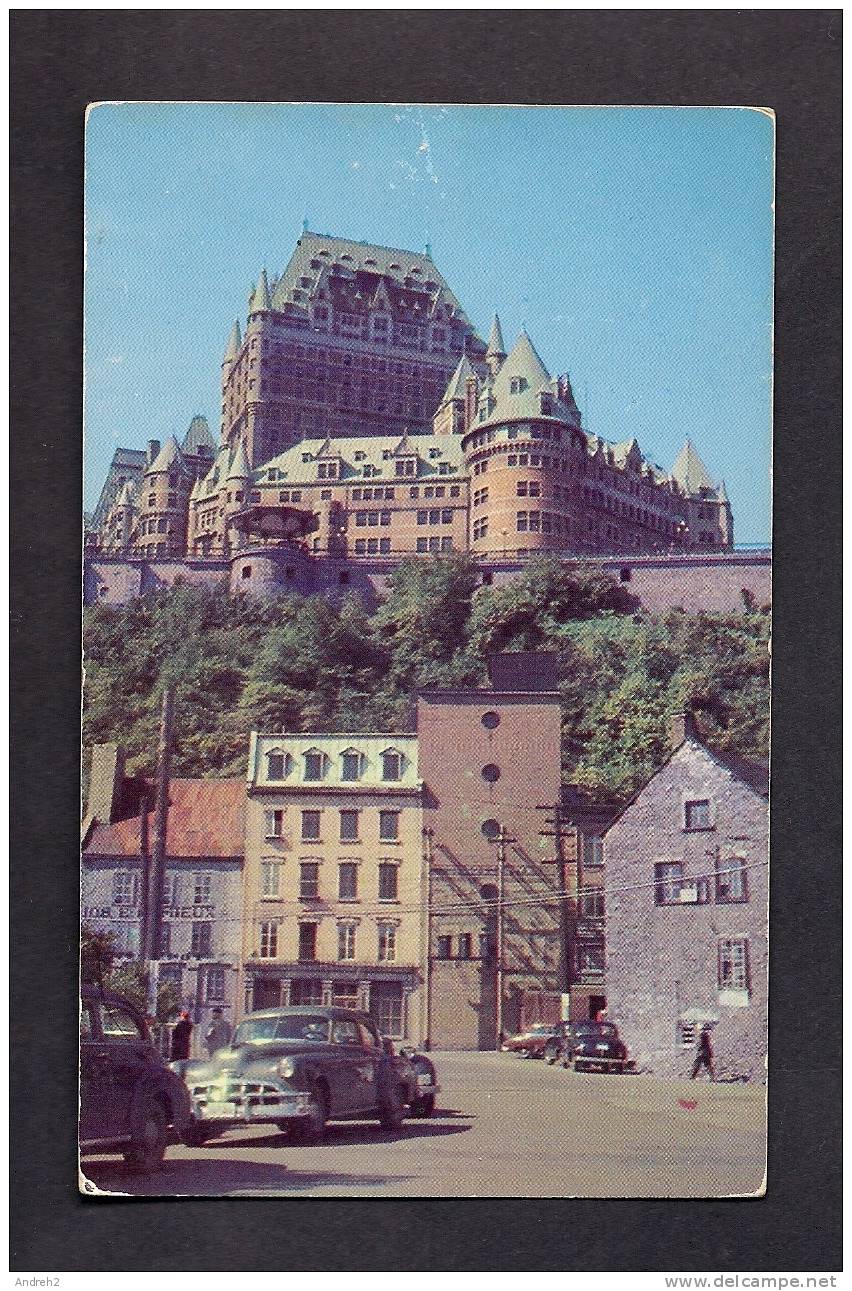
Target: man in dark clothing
pixel 181 1037
pixel 704 1054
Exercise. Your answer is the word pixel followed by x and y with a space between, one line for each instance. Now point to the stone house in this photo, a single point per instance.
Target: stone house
pixel 687 909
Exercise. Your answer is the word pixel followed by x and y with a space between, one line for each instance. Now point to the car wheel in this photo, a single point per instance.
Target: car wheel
pixel 391 1109
pixel 423 1107
pixel 196 1134
pixel 310 1128
pixel 148 1147
pixel 551 1053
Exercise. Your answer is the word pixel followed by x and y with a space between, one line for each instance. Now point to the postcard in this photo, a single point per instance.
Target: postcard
pixel 427 589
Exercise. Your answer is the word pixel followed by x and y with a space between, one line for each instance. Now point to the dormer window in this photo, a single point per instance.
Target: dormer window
pixel 277 766
pixel 314 764
pixel 518 385
pixel 391 765
pixel 350 764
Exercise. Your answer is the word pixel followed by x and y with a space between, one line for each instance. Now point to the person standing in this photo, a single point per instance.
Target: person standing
pixel 704 1054
pixel 218 1034
pixel 181 1038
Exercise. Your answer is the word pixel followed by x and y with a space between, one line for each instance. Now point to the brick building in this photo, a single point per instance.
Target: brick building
pixel 202 924
pixel 687 896
pixel 333 890
pixel 360 380
pixel 149 512
pixel 351 339
pixel 488 758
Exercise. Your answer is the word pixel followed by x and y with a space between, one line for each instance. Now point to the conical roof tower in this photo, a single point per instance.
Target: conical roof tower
pixel 240 469
pixel 260 300
pixel 235 340
pixel 690 472
pixel 496 352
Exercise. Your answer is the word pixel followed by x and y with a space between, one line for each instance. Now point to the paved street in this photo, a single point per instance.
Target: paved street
pixel 503 1127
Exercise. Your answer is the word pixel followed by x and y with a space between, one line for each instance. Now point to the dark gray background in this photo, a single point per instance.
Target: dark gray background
pixel 788 60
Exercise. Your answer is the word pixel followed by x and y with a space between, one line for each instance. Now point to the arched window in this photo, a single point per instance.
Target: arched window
pixel 391 764
pixel 351 764
pixel 277 764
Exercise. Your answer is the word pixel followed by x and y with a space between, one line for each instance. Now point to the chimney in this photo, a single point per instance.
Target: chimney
pixel 153 451
pixel 106 781
pixel 681 727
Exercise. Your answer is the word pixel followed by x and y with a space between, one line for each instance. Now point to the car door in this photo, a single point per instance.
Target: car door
pixel 369 1060
pixel 349 1063
pixel 128 1060
pixel 94 1116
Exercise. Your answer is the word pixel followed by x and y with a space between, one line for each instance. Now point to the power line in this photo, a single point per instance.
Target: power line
pixel 392 910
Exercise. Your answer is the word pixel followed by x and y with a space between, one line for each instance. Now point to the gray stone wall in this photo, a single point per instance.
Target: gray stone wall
pixel 662 960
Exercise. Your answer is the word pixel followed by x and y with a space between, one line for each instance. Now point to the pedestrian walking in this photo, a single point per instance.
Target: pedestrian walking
pixel 218 1034
pixel 704 1054
pixel 181 1038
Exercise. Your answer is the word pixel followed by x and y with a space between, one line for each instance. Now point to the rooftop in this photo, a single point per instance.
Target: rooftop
pixel 206 819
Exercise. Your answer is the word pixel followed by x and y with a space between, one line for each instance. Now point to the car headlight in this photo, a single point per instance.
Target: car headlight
pixel 286 1068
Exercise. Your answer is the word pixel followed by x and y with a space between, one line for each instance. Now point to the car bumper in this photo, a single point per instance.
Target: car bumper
pixel 598 1060
pixel 249 1103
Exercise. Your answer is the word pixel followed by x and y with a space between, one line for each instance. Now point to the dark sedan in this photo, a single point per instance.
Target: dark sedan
pixel 129 1100
pixel 297 1068
pixel 588 1046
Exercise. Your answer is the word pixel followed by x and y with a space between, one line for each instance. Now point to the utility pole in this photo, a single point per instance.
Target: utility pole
pixel 154 885
pixel 427 965
pixel 500 841
pixel 567 902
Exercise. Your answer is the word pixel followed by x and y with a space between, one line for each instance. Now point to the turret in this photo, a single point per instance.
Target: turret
pixel 260 302
pixel 496 353
pixel 452 413
pixel 232 349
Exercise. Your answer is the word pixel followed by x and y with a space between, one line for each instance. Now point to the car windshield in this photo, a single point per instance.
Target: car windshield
pixel 539 1028
pixel 293 1026
pixel 605 1029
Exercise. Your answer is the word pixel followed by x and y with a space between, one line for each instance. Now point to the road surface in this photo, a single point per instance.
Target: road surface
pixel 503 1127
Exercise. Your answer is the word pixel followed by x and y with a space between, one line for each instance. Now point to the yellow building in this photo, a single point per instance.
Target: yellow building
pixel 333 908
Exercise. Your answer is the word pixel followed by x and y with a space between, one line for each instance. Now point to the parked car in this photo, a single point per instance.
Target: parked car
pixel 427 1082
pixel 297 1068
pixel 588 1046
pixel 531 1043
pixel 130 1102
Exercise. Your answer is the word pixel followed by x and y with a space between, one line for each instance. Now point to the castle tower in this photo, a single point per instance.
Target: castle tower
pixel 459 400
pixel 706 510
pixel 164 503
pixel 119 529
pixel 236 485
pixel 526 456
pixel 350 339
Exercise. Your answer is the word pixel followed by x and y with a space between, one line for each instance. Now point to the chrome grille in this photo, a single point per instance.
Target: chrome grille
pixel 238 1092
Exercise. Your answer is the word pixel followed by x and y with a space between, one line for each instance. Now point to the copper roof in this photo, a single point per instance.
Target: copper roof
pixel 206 819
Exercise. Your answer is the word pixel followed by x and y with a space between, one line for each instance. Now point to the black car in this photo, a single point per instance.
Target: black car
pixel 588 1046
pixel 299 1067
pixel 130 1102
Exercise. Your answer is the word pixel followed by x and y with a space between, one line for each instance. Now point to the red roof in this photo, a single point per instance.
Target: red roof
pixel 206 818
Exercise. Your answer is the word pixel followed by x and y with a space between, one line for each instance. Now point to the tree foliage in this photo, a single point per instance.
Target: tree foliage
pixel 308 664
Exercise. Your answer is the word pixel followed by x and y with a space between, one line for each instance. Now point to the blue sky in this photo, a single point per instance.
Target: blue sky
pixel 635 245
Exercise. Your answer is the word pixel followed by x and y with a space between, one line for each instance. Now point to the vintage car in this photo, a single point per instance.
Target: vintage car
pixel 129 1100
pixel 531 1043
pixel 588 1046
pixel 297 1068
